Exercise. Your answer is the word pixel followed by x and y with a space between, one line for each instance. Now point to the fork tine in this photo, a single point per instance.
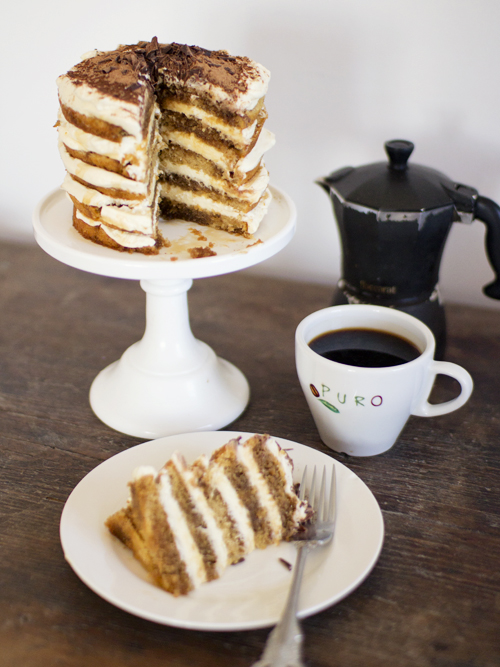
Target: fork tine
pixel 324 503
pixel 303 485
pixel 312 491
pixel 322 507
pixel 332 502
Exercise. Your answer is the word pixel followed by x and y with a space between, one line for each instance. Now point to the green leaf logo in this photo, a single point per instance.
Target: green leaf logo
pixel 328 405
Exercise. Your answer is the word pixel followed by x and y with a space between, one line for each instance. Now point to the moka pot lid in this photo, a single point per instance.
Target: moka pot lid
pixel 396 186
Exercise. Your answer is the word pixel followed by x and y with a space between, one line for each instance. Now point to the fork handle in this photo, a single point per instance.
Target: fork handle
pixel 284 644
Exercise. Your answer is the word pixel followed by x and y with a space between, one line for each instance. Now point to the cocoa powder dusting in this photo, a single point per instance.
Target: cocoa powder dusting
pixel 126 72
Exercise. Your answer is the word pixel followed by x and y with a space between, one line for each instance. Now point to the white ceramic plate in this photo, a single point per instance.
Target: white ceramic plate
pixel 249 595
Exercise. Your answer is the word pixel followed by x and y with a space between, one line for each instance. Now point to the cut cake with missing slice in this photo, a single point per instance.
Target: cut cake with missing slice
pixel 163 128
pixel 186 524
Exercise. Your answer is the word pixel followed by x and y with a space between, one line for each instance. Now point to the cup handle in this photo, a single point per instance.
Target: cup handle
pixel 425 409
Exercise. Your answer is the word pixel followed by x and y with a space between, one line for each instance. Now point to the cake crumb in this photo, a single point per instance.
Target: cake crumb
pixel 251 245
pixel 200 251
pixel 198 234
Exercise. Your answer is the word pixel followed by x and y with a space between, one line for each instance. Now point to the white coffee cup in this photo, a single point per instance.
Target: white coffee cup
pixel 361 411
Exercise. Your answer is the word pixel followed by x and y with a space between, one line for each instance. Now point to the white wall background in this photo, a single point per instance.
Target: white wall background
pixel 346 76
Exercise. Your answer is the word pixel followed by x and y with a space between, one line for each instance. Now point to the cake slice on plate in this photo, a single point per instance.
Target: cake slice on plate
pixel 186 524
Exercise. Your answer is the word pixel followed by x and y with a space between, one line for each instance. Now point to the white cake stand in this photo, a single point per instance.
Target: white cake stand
pixel 168 382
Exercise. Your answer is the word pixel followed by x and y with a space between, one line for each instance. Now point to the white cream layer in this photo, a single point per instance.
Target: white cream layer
pixel 119 213
pixel 87 101
pixel 130 152
pixel 101 178
pixel 120 217
pixel 264 143
pixel 184 541
pixel 236 510
pixel 125 239
pixel 251 219
pixel 241 137
pixel 250 191
pixel 92 197
pixel 228 163
pixel 199 501
pixel 260 486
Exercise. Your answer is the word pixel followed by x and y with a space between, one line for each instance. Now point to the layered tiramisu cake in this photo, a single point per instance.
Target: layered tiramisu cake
pixel 186 524
pixel 163 128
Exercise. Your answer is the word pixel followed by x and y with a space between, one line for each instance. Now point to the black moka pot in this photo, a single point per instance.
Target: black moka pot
pixel 394 219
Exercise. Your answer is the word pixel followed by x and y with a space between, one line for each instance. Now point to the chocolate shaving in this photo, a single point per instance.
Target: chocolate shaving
pixel 134 86
pixel 285 563
pixel 131 60
pixel 152 46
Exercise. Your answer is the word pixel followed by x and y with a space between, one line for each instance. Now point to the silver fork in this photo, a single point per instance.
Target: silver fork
pixel 284 644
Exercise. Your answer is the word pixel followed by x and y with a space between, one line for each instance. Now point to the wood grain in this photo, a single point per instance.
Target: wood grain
pixel 433 599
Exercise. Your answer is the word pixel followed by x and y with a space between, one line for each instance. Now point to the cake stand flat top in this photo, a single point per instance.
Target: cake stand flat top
pixel 52 222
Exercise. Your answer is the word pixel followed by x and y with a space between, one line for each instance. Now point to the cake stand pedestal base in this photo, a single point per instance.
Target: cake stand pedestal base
pixel 168 382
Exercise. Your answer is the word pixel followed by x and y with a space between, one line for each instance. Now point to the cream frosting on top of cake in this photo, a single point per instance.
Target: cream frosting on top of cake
pixel 235 80
pixel 143 471
pixel 123 74
pixel 88 101
pixel 128 73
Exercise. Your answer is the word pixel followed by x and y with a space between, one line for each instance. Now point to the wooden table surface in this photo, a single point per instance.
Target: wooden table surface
pixel 433 598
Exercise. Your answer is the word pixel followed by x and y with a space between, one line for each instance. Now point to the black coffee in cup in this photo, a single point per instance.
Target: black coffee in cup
pixel 366 348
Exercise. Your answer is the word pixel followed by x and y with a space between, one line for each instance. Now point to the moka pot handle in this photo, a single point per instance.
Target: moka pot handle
pixel 488 212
